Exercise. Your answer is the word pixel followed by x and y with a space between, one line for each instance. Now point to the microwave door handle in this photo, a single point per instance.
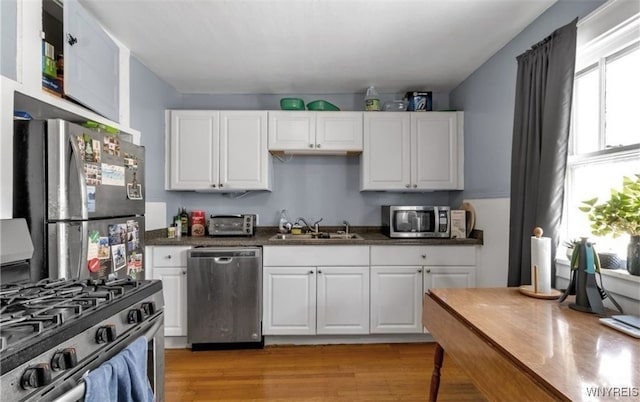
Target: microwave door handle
pixel 82 182
pixel 229 216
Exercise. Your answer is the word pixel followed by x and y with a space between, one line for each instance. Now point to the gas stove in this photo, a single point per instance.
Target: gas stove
pixel 53 331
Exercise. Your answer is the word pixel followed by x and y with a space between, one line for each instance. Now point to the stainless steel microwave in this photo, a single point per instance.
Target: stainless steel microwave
pixel 416 221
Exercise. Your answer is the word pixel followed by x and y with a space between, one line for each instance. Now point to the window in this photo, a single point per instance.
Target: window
pixel 605 130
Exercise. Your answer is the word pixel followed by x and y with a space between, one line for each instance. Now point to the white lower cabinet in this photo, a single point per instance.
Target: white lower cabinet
pixel 289 306
pixel 396 299
pixel 400 275
pixel 449 277
pixel 329 297
pixel 169 264
pixel 342 300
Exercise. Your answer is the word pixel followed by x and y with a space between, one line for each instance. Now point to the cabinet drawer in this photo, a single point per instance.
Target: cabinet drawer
pixel 423 255
pixel 169 256
pixel 315 255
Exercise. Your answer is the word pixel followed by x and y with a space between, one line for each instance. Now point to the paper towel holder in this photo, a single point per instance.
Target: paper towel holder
pixel 532 290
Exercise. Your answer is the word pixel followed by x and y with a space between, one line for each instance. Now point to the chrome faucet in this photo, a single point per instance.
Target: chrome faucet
pixel 314 229
pixel 346 227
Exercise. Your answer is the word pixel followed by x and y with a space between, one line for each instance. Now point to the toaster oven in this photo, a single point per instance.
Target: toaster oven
pixel 232 225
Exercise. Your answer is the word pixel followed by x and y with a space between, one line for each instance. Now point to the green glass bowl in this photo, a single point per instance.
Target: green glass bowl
pixel 322 105
pixel 291 104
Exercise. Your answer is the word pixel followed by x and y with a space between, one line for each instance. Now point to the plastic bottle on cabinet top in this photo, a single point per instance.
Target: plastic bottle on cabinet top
pixel 372 100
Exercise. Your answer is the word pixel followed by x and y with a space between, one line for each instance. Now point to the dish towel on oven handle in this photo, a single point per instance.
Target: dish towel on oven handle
pixel 122 378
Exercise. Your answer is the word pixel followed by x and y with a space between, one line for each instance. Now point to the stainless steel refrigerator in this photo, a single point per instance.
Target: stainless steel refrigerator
pixel 82 194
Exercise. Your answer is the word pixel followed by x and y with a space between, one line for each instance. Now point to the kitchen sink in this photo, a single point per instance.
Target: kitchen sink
pixel 320 237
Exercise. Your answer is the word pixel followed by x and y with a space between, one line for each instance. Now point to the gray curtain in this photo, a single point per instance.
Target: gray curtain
pixel 544 90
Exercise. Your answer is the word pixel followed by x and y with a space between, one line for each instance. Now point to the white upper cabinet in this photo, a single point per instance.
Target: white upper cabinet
pixel 386 158
pixel 244 158
pixel 194 139
pixel 436 150
pixel 295 130
pixel 315 132
pixel 217 150
pixel 339 131
pixel 416 151
pixel 96 68
pixel 91 62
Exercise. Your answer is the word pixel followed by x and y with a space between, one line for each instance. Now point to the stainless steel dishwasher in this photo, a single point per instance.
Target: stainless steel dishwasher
pixel 224 297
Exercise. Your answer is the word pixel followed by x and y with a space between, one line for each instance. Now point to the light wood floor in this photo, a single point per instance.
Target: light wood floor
pixel 380 372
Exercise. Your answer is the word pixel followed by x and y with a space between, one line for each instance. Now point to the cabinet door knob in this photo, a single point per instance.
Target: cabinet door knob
pixel 415 186
pixel 424 256
pixel 310 272
pixel 318 146
pixel 319 271
pixel 310 145
pixel 71 40
pixel 419 271
pixel 220 185
pixel 184 272
pixel 428 271
pixel 407 185
pixel 213 185
pixel 168 257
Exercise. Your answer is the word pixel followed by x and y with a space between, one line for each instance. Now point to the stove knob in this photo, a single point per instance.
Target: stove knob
pixel 149 307
pixel 64 359
pixel 36 376
pixel 106 334
pixel 134 316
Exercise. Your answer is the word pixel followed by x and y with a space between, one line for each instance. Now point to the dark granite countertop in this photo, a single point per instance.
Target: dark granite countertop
pixel 371 236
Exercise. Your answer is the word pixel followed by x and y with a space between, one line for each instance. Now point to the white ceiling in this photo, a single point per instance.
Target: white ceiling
pixel 314 46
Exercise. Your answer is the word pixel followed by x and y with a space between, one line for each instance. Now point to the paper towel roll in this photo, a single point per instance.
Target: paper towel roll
pixel 541 257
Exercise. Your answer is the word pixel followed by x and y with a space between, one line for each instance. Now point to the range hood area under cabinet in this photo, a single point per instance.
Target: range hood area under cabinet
pixel 315 133
pixel 228 151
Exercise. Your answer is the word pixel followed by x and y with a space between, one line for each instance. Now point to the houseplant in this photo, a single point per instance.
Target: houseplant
pixel 618 216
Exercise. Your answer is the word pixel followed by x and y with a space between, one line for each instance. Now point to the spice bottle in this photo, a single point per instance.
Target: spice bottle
pixel 184 222
pixel 177 223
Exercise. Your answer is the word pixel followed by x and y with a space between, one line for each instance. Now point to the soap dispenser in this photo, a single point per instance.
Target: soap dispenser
pixel 285 225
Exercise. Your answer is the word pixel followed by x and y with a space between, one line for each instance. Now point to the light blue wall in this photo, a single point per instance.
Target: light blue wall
pixel 487 98
pixel 149 97
pixel 328 186
pixel 308 186
pixel 8 20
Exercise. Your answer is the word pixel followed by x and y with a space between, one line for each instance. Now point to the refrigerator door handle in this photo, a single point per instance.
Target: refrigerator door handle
pixel 82 182
pixel 84 251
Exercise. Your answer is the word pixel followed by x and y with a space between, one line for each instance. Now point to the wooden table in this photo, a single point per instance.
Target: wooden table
pixel 516 347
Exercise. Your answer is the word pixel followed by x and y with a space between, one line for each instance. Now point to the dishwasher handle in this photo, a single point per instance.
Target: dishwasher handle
pixel 223 260
pixel 224 253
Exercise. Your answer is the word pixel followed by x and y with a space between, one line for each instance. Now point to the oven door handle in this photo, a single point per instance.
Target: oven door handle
pixel 77 393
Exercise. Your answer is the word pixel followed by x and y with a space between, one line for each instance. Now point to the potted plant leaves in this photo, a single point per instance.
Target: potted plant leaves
pixel 617 216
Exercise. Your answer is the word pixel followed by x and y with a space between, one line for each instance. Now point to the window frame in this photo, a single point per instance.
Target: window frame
pixel 593 55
